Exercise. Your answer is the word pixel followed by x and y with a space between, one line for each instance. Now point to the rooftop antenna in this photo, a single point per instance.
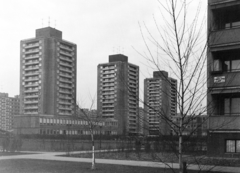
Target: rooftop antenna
pixel 55 24
pixel 48 21
pixel 113 50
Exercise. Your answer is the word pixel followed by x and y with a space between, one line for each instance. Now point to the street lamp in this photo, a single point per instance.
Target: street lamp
pixel 100 124
pixel 68 149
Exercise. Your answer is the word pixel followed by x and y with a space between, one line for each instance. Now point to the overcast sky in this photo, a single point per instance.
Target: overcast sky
pixel 98 27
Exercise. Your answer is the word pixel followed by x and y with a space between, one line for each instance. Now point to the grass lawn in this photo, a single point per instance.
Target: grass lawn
pixel 42 166
pixel 164 157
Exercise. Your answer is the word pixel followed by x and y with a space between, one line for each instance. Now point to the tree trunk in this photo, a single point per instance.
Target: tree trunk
pixel 180 154
pixel 93 153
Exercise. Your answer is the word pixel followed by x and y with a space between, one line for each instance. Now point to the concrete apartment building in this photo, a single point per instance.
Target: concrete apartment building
pixel 48 74
pixel 224 76
pixel 118 93
pixel 9 106
pixel 47 80
pixel 160 103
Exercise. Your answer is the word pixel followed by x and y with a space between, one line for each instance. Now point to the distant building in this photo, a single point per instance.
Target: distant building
pixel 194 126
pixel 9 106
pixel 82 113
pixel 118 93
pixel 223 82
pixel 160 103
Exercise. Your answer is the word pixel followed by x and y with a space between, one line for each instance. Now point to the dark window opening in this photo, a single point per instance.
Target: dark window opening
pixel 225 18
pixel 227 104
pixel 226 61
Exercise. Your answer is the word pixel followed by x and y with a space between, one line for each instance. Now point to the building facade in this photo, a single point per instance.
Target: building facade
pixel 160 103
pixel 48 74
pixel 9 106
pixel 194 125
pixel 118 93
pixel 224 76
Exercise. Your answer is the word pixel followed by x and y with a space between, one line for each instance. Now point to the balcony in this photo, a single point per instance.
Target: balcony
pixel 65 53
pixel 66 64
pixel 65 97
pixel 107 106
pixel 32 68
pixel 66 70
pixel 108 93
pixel 105 81
pixel 108 89
pixel 65 80
pixel 30 102
pixel 65 103
pixel 66 47
pixel 66 59
pixel 65 86
pixel 225 122
pixel 32 45
pixel 108 72
pixel 65 75
pixel 32 57
pixel 107 76
pixel 65 108
pixel 31 96
pixel 108 68
pixel 31 91
pixel 31 62
pixel 31 79
pixel 36 73
pixel 225 79
pixel 65 91
pixel 224 37
pixel 109 101
pixel 32 51
pixel 31 107
pixel 31 85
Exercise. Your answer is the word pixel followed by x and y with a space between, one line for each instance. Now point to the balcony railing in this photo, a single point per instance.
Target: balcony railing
pixel 66 53
pixel 32 51
pixel 32 57
pixel 225 36
pixel 66 59
pixel 32 45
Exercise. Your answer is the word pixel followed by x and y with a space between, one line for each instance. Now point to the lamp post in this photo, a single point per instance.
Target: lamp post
pixel 68 149
pixel 100 135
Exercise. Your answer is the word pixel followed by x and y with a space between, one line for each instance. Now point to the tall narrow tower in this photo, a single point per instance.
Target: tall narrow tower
pixel 48 74
pixel 118 93
pixel 160 98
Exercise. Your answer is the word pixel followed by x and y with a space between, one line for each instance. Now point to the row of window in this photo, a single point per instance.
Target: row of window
pixel 52 121
pixel 75 132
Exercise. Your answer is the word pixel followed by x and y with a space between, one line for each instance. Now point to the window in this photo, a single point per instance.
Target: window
pixel 233 146
pixel 226 61
pixel 231 65
pixel 232 106
pixel 226 18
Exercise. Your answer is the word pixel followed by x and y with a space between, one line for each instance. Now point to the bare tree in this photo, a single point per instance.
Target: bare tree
pixel 180 45
pixel 93 123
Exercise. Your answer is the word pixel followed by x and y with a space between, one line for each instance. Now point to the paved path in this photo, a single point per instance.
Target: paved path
pixel 56 157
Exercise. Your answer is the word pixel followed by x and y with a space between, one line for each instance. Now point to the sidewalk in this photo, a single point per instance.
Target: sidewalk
pixel 56 157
